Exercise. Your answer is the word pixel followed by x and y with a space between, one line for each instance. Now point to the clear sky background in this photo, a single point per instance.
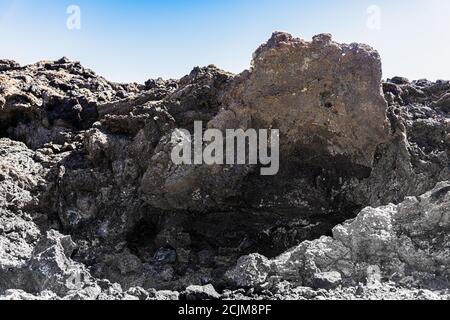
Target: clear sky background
pixel 135 40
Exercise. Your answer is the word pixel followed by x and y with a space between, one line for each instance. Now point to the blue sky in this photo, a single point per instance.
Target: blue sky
pixel 135 40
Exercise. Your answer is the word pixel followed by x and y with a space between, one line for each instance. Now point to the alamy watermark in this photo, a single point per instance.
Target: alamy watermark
pixel 232 147
pixel 374 17
pixel 73 21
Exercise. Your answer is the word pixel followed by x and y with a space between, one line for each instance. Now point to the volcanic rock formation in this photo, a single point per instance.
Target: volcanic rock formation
pixel 92 207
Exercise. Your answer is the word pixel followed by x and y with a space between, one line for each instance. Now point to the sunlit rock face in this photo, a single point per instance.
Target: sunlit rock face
pixel 325 97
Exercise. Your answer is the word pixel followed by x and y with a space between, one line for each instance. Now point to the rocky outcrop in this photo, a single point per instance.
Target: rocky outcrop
pixel 406 243
pixel 418 157
pixel 306 90
pixel 50 98
pixel 325 98
pixel 90 191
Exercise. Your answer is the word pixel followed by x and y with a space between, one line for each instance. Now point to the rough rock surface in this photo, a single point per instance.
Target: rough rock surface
pixel 88 190
pixel 307 90
pixel 197 293
pixel 406 243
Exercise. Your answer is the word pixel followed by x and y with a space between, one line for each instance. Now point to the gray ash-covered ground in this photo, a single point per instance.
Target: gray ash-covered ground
pixel 91 206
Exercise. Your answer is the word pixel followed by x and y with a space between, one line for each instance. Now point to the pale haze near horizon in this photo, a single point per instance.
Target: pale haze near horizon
pixel 132 41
